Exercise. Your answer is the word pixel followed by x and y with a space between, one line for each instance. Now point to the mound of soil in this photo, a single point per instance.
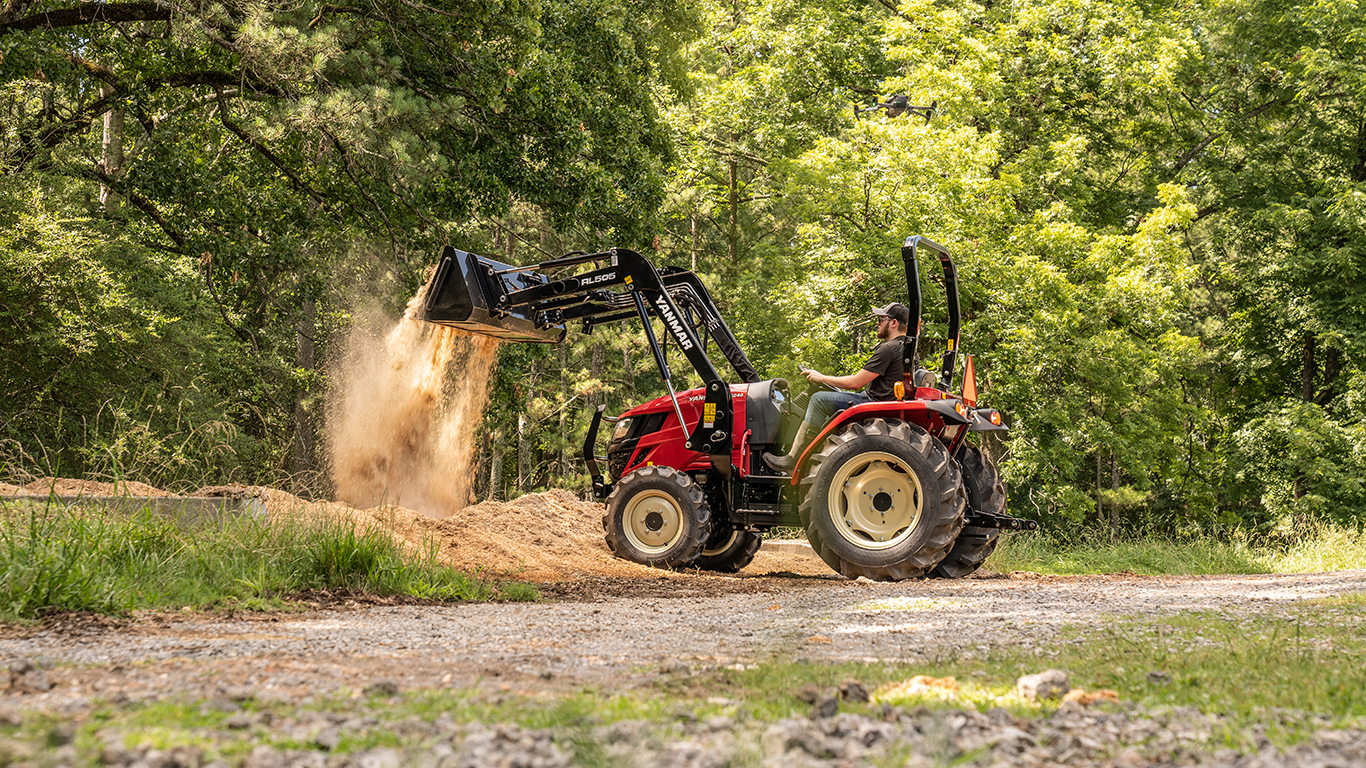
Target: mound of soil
pixel 65 486
pixel 541 537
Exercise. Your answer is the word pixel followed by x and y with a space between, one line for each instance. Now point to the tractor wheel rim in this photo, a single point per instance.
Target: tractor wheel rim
pixel 653 522
pixel 875 501
pixel 724 545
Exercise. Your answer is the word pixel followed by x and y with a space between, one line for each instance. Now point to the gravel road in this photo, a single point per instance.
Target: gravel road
pixel 616 641
pixel 256 674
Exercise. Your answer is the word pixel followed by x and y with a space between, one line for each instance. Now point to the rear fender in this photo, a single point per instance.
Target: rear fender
pixel 930 415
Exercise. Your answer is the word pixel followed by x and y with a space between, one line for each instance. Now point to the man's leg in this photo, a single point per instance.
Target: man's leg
pixel 821 408
pixel 824 405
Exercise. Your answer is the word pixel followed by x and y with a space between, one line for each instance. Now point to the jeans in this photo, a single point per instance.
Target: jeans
pixel 823 406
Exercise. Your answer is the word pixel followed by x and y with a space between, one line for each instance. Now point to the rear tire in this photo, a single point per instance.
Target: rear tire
pixel 728 549
pixel 656 516
pixel 986 493
pixel 882 499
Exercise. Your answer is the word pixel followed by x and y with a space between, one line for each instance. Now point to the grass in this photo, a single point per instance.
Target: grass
pixel 1324 547
pixel 1284 675
pixel 86 559
pixel 1294 669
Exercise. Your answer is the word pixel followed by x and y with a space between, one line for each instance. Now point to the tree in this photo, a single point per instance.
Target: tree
pixel 288 157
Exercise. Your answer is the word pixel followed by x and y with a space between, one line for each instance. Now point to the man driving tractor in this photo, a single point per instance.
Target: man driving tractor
pixel 879 375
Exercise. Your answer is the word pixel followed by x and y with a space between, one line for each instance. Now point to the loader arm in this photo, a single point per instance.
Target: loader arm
pixel 525 305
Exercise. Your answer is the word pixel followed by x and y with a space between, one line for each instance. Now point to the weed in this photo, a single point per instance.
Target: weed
pixel 1321 547
pixel 85 558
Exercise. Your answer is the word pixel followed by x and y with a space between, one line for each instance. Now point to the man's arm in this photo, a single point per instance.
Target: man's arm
pixel 853 381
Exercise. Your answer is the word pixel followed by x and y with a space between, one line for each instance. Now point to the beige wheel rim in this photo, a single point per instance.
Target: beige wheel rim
pixel 734 533
pixel 875 501
pixel 653 522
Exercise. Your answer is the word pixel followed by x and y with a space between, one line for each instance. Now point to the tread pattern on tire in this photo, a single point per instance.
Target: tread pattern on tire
pixel 986 493
pixel 734 558
pixel 945 474
pixel 686 491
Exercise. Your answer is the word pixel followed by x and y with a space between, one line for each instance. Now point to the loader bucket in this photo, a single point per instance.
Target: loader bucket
pixel 463 293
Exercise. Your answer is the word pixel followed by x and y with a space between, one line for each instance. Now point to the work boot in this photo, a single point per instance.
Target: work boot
pixel 782 463
pixel 786 463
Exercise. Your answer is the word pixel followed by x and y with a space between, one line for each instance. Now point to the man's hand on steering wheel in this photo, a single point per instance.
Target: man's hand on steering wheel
pixel 818 381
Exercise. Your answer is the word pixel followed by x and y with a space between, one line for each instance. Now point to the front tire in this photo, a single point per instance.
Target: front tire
pixel 656 516
pixel 728 549
pixel 882 499
pixel 986 493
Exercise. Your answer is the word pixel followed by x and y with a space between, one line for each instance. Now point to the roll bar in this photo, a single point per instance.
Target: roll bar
pixel 909 252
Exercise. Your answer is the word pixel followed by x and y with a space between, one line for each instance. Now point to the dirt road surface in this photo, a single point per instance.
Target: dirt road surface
pixel 615 632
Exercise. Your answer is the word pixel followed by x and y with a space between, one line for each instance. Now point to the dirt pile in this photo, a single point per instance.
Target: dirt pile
pixel 65 486
pixel 406 402
pixel 543 537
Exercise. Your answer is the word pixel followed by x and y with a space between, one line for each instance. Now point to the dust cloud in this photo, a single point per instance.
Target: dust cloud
pixel 404 409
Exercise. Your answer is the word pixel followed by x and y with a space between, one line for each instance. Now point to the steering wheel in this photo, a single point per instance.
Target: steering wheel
pixel 813 387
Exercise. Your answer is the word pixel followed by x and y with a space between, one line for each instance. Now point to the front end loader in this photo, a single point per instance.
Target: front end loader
pixel 888 490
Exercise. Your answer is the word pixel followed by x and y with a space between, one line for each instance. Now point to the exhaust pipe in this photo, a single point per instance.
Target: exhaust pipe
pixel 464 291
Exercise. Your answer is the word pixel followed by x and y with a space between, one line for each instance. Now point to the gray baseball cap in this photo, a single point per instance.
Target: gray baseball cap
pixel 896 311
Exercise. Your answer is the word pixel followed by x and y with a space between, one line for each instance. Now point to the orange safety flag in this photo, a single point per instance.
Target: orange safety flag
pixel 969 384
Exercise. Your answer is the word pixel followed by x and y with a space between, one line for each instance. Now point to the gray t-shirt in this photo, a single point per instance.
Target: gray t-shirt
pixel 886 363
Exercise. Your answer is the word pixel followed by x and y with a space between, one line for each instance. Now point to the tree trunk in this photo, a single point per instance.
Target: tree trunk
pixel 496 468
pixel 111 157
pixel 550 242
pixel 1114 486
pixel 630 375
pixel 304 360
pixel 1332 366
pixel 1307 374
pixel 596 358
pixel 523 453
pixel 1100 506
pixel 692 225
pixel 562 446
pixel 477 485
pixel 733 233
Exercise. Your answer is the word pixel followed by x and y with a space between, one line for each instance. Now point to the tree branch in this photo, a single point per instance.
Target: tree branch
pixel 265 152
pixel 1185 159
pixel 137 200
pixel 895 11
pixel 346 166
pixel 49 137
pixel 85 13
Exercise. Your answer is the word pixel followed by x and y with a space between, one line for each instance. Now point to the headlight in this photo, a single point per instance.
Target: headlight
pixel 622 429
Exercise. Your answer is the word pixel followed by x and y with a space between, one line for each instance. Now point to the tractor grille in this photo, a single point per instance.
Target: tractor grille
pixel 616 463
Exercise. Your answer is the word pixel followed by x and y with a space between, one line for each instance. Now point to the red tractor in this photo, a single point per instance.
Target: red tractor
pixel 888 490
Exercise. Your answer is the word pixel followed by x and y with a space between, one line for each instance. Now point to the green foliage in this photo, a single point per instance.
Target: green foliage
pixel 1307 464
pixel 76 559
pixel 1157 212
pixel 1313 548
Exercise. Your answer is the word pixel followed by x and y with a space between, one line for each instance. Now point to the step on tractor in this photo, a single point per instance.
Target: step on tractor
pixel 887 490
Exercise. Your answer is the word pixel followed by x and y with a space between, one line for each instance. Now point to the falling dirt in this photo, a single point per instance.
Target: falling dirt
pixel 405 407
